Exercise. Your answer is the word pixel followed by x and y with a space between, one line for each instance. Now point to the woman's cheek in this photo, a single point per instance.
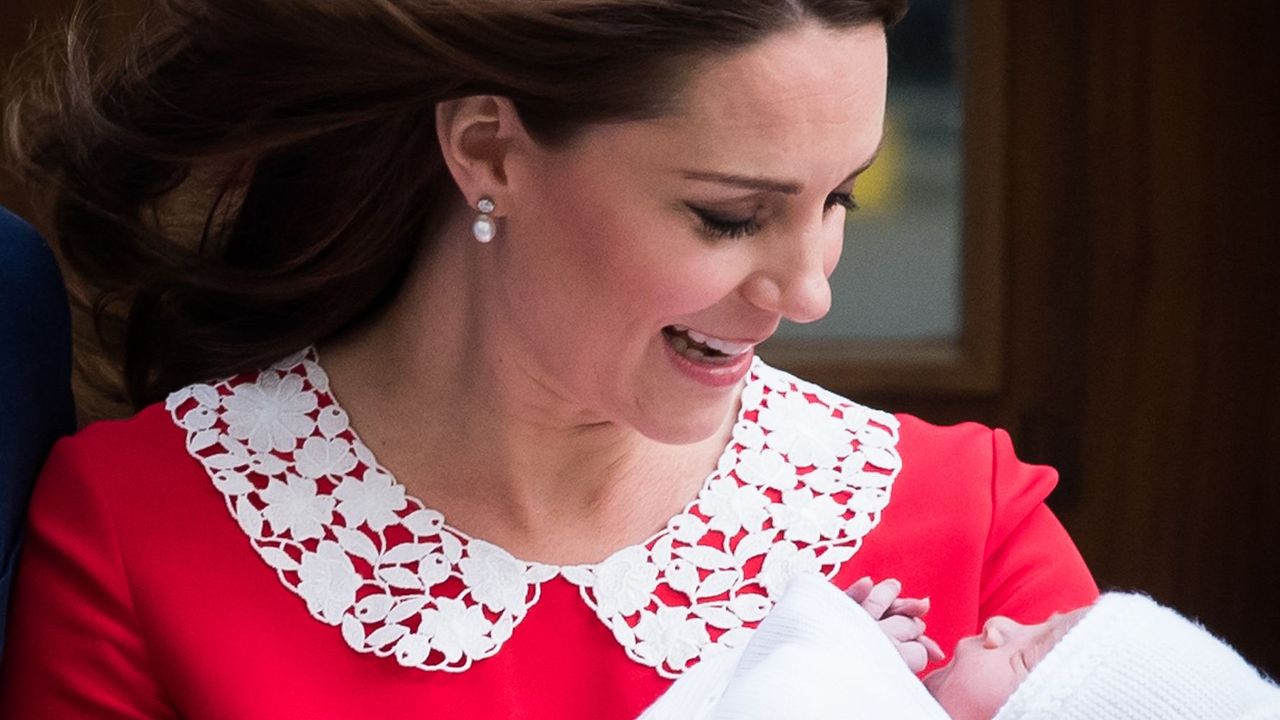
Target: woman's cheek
pixel 693 284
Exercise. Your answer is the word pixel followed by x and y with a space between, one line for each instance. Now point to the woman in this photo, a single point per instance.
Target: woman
pixel 525 251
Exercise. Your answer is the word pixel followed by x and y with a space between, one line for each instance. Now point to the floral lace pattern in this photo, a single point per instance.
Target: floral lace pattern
pixel 803 480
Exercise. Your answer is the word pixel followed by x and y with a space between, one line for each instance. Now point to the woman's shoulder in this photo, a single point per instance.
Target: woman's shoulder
pixel 969 443
pixel 177 426
pixel 185 450
pixel 128 439
pixel 118 461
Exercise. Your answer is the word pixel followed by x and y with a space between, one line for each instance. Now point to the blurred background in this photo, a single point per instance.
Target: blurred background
pixel 1072 234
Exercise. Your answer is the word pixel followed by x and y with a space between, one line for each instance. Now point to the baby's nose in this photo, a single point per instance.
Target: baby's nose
pixel 997 630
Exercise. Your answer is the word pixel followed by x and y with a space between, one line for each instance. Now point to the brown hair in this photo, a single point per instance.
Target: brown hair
pixel 299 135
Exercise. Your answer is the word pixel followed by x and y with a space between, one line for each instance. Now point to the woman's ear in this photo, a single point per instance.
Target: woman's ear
pixel 477 135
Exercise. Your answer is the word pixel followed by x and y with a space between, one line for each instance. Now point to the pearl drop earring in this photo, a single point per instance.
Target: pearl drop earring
pixel 484 228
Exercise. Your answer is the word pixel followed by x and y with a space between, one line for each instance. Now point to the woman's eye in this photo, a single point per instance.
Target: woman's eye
pixel 844 200
pixel 722 227
pixel 717 226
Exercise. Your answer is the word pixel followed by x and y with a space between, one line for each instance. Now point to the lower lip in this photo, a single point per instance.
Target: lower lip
pixel 716 376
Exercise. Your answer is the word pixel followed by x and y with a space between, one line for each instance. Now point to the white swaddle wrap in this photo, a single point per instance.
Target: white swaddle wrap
pixel 817 656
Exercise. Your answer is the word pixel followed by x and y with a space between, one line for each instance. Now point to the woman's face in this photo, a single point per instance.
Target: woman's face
pixel 708 225
pixel 986 668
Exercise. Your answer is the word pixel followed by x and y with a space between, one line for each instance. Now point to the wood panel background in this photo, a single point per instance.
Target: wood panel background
pixel 1140 302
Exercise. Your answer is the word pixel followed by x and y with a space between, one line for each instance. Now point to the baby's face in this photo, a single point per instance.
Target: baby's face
pixel 986 668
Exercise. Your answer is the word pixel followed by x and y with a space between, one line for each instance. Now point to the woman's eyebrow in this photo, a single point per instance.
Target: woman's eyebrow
pixel 784 187
pixel 744 181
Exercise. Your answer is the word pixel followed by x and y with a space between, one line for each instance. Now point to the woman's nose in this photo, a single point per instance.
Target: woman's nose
pixel 793 280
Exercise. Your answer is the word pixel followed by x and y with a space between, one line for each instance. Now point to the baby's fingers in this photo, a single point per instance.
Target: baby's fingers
pixel 860 589
pixel 902 628
pixel 932 649
pixel 881 597
pixel 911 607
pixel 915 655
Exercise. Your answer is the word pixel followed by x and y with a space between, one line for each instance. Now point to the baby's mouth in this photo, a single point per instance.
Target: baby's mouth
pixel 701 348
pixel 935 676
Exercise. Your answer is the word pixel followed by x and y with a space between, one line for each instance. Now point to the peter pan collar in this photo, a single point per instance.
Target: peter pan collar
pixel 800 484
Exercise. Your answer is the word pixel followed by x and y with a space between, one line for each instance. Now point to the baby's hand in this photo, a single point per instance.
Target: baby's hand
pixel 900 618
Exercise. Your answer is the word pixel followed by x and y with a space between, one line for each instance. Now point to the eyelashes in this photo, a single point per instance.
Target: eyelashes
pixel 844 200
pixel 720 227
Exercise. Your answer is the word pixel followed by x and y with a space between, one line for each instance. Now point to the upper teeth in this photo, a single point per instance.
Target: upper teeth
pixel 724 346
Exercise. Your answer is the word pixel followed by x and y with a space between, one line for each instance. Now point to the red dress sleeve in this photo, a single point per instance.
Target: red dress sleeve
pixel 1030 567
pixel 74 649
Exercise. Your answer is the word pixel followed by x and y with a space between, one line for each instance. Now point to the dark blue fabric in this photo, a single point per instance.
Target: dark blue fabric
pixel 35 377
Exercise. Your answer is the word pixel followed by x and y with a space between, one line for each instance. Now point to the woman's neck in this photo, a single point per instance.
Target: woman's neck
pixel 438 389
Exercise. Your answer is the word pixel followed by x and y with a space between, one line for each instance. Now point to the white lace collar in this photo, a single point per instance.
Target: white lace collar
pixel 804 478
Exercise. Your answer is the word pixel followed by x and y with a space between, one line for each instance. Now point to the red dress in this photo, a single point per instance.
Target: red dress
pixel 239 554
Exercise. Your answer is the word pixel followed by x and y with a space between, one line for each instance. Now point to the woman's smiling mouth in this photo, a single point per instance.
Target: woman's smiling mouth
pixel 699 347
pixel 706 359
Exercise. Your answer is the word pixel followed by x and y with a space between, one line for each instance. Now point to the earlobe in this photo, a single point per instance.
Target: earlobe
pixel 476 135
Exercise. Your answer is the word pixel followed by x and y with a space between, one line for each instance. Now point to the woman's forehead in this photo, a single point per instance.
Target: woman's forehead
pixel 811 93
pixel 810 69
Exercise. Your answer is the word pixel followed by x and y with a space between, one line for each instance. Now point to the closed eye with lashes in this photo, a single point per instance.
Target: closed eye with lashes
pixel 723 227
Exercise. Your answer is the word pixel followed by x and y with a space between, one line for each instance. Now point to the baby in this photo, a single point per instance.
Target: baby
pixel 985 669
pixel 819 655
